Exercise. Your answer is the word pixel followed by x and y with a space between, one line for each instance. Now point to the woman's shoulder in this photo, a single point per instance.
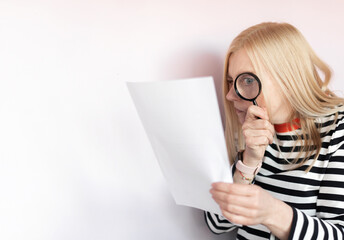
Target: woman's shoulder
pixel 332 129
pixel 332 120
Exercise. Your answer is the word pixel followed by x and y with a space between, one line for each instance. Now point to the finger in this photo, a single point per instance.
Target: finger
pixel 266 135
pixel 235 188
pixel 254 112
pixel 232 199
pixel 238 210
pixel 221 187
pixel 238 219
pixel 259 124
pixel 257 141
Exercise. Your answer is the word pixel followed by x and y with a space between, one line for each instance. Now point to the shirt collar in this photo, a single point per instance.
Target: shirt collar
pixel 287 127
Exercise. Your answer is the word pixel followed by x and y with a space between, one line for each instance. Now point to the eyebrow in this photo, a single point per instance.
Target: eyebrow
pixel 228 77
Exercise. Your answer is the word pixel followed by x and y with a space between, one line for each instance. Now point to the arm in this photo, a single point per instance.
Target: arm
pixel 251 205
pixel 258 133
pixel 218 224
pixel 329 221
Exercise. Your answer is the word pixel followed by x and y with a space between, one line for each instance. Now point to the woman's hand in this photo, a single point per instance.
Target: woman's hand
pixel 258 133
pixel 243 204
pixel 251 205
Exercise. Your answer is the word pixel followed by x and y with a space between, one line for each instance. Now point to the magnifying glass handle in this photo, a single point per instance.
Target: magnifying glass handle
pixel 255 103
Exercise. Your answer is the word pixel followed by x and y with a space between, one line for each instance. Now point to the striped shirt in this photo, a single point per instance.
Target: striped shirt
pixel 316 197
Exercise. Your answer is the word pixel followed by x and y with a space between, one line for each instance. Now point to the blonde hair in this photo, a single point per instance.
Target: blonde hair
pixel 282 50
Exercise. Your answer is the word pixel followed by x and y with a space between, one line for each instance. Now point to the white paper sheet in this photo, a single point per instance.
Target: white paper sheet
pixel 182 121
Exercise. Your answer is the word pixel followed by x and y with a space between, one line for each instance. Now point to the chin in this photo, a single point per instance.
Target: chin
pixel 241 118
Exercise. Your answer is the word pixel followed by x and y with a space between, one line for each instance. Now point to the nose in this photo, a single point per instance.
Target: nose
pixel 231 95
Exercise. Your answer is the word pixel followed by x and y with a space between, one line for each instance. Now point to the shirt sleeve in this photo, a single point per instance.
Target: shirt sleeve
pixel 218 224
pixel 329 220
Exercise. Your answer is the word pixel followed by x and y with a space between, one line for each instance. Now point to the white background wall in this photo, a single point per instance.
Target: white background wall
pixel 75 162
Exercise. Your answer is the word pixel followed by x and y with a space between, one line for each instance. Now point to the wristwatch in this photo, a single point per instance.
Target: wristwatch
pixel 244 168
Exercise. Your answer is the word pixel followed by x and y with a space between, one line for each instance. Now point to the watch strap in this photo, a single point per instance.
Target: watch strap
pixel 244 168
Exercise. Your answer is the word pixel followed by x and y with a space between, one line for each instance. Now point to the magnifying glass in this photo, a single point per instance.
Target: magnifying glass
pixel 248 86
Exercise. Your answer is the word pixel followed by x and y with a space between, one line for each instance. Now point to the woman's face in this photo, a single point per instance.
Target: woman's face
pixel 278 106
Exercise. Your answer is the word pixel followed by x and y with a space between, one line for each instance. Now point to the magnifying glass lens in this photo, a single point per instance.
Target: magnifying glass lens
pixel 248 86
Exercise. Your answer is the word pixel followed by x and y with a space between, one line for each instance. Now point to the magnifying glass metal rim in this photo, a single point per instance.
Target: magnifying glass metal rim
pixel 259 85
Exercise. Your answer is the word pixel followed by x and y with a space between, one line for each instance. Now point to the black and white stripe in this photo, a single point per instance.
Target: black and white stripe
pixel 316 197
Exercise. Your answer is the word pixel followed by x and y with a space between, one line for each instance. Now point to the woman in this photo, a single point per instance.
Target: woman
pixel 288 151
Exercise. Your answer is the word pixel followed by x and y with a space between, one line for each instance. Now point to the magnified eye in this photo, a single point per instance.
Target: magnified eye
pixel 245 81
pixel 248 81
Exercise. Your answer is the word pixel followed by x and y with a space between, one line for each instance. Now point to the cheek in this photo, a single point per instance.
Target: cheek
pixel 273 102
pixel 273 98
pixel 261 100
